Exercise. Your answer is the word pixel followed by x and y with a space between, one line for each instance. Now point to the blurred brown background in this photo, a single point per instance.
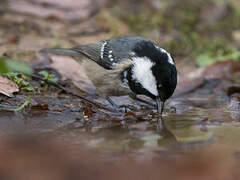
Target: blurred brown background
pixel 204 38
pixel 202 32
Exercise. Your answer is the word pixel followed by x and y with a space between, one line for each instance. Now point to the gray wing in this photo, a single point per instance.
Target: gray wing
pixel 98 52
pixel 110 53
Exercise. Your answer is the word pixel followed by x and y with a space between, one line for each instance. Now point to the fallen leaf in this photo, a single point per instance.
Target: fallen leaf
pixel 40 107
pixel 87 111
pixel 7 87
pixel 221 70
pixel 64 9
pixel 188 86
pixel 70 69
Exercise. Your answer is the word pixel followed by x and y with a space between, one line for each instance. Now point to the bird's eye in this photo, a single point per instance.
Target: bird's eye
pixel 159 85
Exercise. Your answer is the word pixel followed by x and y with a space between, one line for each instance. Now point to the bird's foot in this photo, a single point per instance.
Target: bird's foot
pixel 122 108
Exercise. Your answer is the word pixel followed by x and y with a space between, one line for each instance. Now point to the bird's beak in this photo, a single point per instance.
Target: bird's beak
pixel 160 105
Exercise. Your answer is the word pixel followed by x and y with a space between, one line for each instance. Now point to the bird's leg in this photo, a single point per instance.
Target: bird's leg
pixel 115 106
pixel 160 105
pixel 134 97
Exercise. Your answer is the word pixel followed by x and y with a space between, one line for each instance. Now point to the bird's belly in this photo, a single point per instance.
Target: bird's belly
pixel 106 81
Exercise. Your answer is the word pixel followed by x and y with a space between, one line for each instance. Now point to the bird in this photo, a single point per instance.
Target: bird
pixel 127 65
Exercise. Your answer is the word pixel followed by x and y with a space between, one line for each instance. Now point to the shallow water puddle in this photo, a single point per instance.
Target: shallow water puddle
pixel 192 128
pixel 198 122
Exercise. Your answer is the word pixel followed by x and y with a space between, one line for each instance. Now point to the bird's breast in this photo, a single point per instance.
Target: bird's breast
pixel 106 81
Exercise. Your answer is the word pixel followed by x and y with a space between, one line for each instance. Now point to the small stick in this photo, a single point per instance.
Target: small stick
pixel 98 105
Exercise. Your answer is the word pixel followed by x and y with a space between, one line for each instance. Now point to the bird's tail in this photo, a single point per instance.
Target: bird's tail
pixel 61 51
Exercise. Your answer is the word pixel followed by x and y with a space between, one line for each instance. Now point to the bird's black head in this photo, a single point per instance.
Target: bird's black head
pixel 166 78
pixel 153 72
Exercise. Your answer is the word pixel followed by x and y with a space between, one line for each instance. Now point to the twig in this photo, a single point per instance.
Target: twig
pixel 98 105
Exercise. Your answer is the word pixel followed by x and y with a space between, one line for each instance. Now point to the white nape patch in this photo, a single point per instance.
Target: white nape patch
pixel 158 48
pixel 142 73
pixel 102 49
pixel 170 60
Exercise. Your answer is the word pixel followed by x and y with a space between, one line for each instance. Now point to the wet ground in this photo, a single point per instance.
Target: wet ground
pixel 191 121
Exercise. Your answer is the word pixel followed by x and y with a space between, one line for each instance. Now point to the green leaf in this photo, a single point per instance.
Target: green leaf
pixel 54 80
pixel 23 105
pixel 14 66
pixel 18 66
pixel 48 76
pixel 29 89
pixel 43 73
pixel 24 83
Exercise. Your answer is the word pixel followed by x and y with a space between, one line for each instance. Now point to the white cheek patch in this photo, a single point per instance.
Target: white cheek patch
pixel 142 73
pixel 170 59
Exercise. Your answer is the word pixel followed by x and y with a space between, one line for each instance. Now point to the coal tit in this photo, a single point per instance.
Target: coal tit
pixel 129 65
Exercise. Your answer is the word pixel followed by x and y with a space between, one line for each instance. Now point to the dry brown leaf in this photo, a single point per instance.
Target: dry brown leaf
pixel 221 70
pixel 70 69
pixel 7 87
pixel 64 9
pixel 40 107
pixel 188 86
